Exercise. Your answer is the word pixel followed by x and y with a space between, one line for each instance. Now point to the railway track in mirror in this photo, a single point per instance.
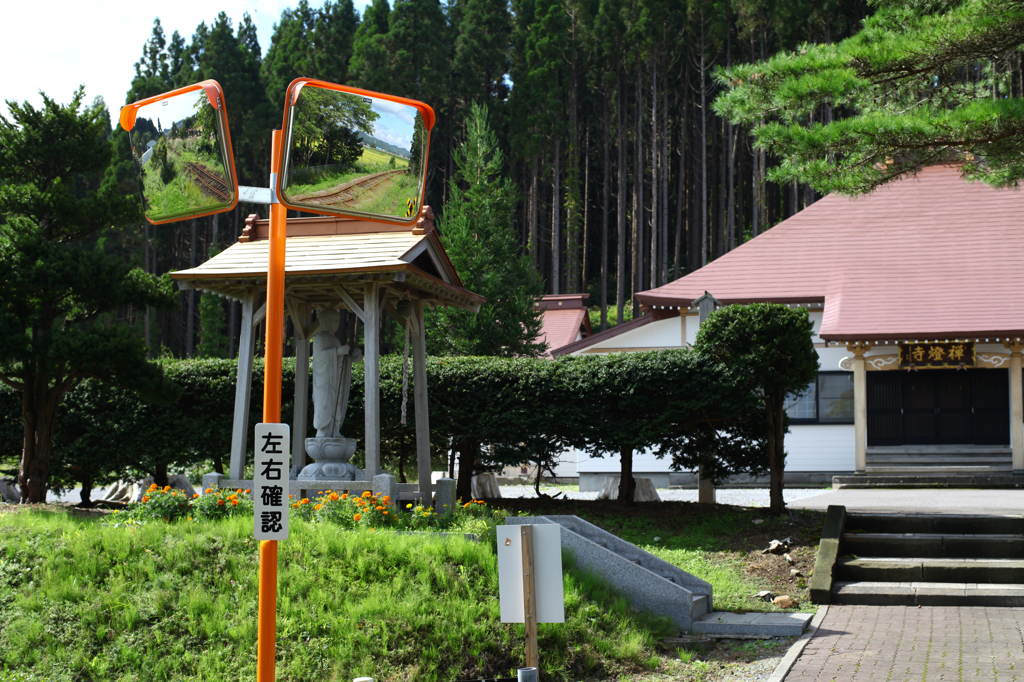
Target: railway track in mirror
pixel 211 183
pixel 350 192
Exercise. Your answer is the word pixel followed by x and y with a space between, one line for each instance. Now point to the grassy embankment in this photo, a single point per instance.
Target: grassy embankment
pixel 183 193
pixel 80 600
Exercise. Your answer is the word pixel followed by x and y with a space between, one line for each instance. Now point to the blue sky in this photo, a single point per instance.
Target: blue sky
pixel 57 47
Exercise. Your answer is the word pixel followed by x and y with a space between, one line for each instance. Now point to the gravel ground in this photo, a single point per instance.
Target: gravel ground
pixel 743 497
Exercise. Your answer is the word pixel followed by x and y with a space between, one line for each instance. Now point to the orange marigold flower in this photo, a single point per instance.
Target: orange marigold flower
pixel 234 502
pixel 145 498
pixel 167 488
pixel 345 496
pixel 220 503
pixel 379 508
pixel 248 490
pixel 466 505
pixel 387 498
pixel 385 513
pixel 304 500
pixel 357 517
pixel 333 496
pixel 208 491
pixel 318 507
pixel 290 497
pixel 238 491
pixel 153 486
pixel 367 493
pixel 195 496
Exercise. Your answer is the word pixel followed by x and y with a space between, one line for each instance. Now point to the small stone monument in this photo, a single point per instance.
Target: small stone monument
pixel 332 381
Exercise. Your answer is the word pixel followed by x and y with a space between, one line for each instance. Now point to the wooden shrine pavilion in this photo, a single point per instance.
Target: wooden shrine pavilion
pixel 364 267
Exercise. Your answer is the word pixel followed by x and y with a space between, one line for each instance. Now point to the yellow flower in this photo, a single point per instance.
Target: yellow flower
pixel 357 517
pixel 367 493
pixel 408 506
pixel 317 507
pixel 426 513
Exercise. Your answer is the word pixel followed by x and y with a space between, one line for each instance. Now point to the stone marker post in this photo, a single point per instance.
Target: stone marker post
pixel 444 495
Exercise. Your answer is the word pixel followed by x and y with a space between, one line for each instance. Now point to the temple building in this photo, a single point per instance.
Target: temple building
pixel 916 293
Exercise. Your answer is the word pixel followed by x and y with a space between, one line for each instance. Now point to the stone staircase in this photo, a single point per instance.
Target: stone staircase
pixel 944 460
pixel 930 560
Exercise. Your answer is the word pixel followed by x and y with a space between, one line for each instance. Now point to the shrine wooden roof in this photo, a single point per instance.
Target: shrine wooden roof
pixel 930 256
pixel 564 321
pixel 324 254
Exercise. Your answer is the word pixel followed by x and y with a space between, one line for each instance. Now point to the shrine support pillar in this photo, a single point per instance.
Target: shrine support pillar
pixel 371 369
pixel 243 388
pixel 1016 407
pixel 860 406
pixel 419 388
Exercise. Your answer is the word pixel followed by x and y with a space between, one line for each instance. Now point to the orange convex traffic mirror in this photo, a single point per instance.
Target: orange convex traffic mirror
pixel 354 153
pixel 182 150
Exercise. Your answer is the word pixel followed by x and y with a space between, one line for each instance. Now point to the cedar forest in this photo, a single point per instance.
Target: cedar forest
pixel 625 177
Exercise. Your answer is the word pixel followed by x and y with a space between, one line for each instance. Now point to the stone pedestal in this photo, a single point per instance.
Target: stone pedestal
pixel 331 455
pixel 485 486
pixel 645 490
pixel 444 495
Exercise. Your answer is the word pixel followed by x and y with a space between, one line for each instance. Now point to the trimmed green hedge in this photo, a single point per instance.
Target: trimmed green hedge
pixel 491 411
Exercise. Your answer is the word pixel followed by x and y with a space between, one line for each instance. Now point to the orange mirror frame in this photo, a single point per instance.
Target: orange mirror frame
pixel 228 193
pixel 317 194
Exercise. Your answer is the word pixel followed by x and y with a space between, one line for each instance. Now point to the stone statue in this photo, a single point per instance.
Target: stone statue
pixel 332 382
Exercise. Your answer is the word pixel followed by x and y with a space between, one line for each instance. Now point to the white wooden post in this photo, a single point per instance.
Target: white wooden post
pixel 371 369
pixel 419 388
pixel 301 385
pixel 243 388
pixel 860 407
pixel 1016 408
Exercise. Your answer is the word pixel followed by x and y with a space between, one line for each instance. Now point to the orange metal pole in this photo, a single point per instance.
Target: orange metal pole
pixel 266 637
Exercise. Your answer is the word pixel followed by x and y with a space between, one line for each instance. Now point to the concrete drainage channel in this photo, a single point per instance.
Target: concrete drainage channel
pixel 658 587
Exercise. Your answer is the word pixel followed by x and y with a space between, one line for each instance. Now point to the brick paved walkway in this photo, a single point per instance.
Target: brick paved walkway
pixel 910 644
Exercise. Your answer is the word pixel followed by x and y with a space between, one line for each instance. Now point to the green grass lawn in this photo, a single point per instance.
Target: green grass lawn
pixel 81 600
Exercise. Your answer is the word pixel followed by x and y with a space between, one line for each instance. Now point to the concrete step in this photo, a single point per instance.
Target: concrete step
pixel 946 524
pixel 918 569
pixel 701 605
pixel 919 479
pixel 927 594
pixel 770 624
pixel 933 545
pixel 938 450
pixel 938 469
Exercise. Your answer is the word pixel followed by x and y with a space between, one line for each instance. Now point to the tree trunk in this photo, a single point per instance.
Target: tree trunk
pixel 160 475
pixel 638 198
pixel 39 417
pixel 776 454
pixel 85 499
pixel 605 204
pixel 703 154
pixel 532 210
pixel 656 207
pixel 556 226
pixel 627 484
pixel 146 266
pixel 467 460
pixel 620 282
pixel 190 322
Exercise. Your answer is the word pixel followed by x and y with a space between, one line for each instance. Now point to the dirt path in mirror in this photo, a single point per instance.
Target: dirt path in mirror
pixel 351 192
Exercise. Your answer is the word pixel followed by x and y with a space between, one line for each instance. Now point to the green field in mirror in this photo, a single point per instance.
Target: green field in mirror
pixel 354 155
pixel 181 158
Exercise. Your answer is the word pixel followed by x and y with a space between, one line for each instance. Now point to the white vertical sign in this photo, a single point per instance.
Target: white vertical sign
pixel 270 481
pixel 547 568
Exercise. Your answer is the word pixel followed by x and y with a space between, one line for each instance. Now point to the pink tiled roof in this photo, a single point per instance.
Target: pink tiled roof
pixel 561 327
pixel 926 257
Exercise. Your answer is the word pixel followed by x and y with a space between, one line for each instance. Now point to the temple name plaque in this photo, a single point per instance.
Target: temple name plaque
pixel 954 355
